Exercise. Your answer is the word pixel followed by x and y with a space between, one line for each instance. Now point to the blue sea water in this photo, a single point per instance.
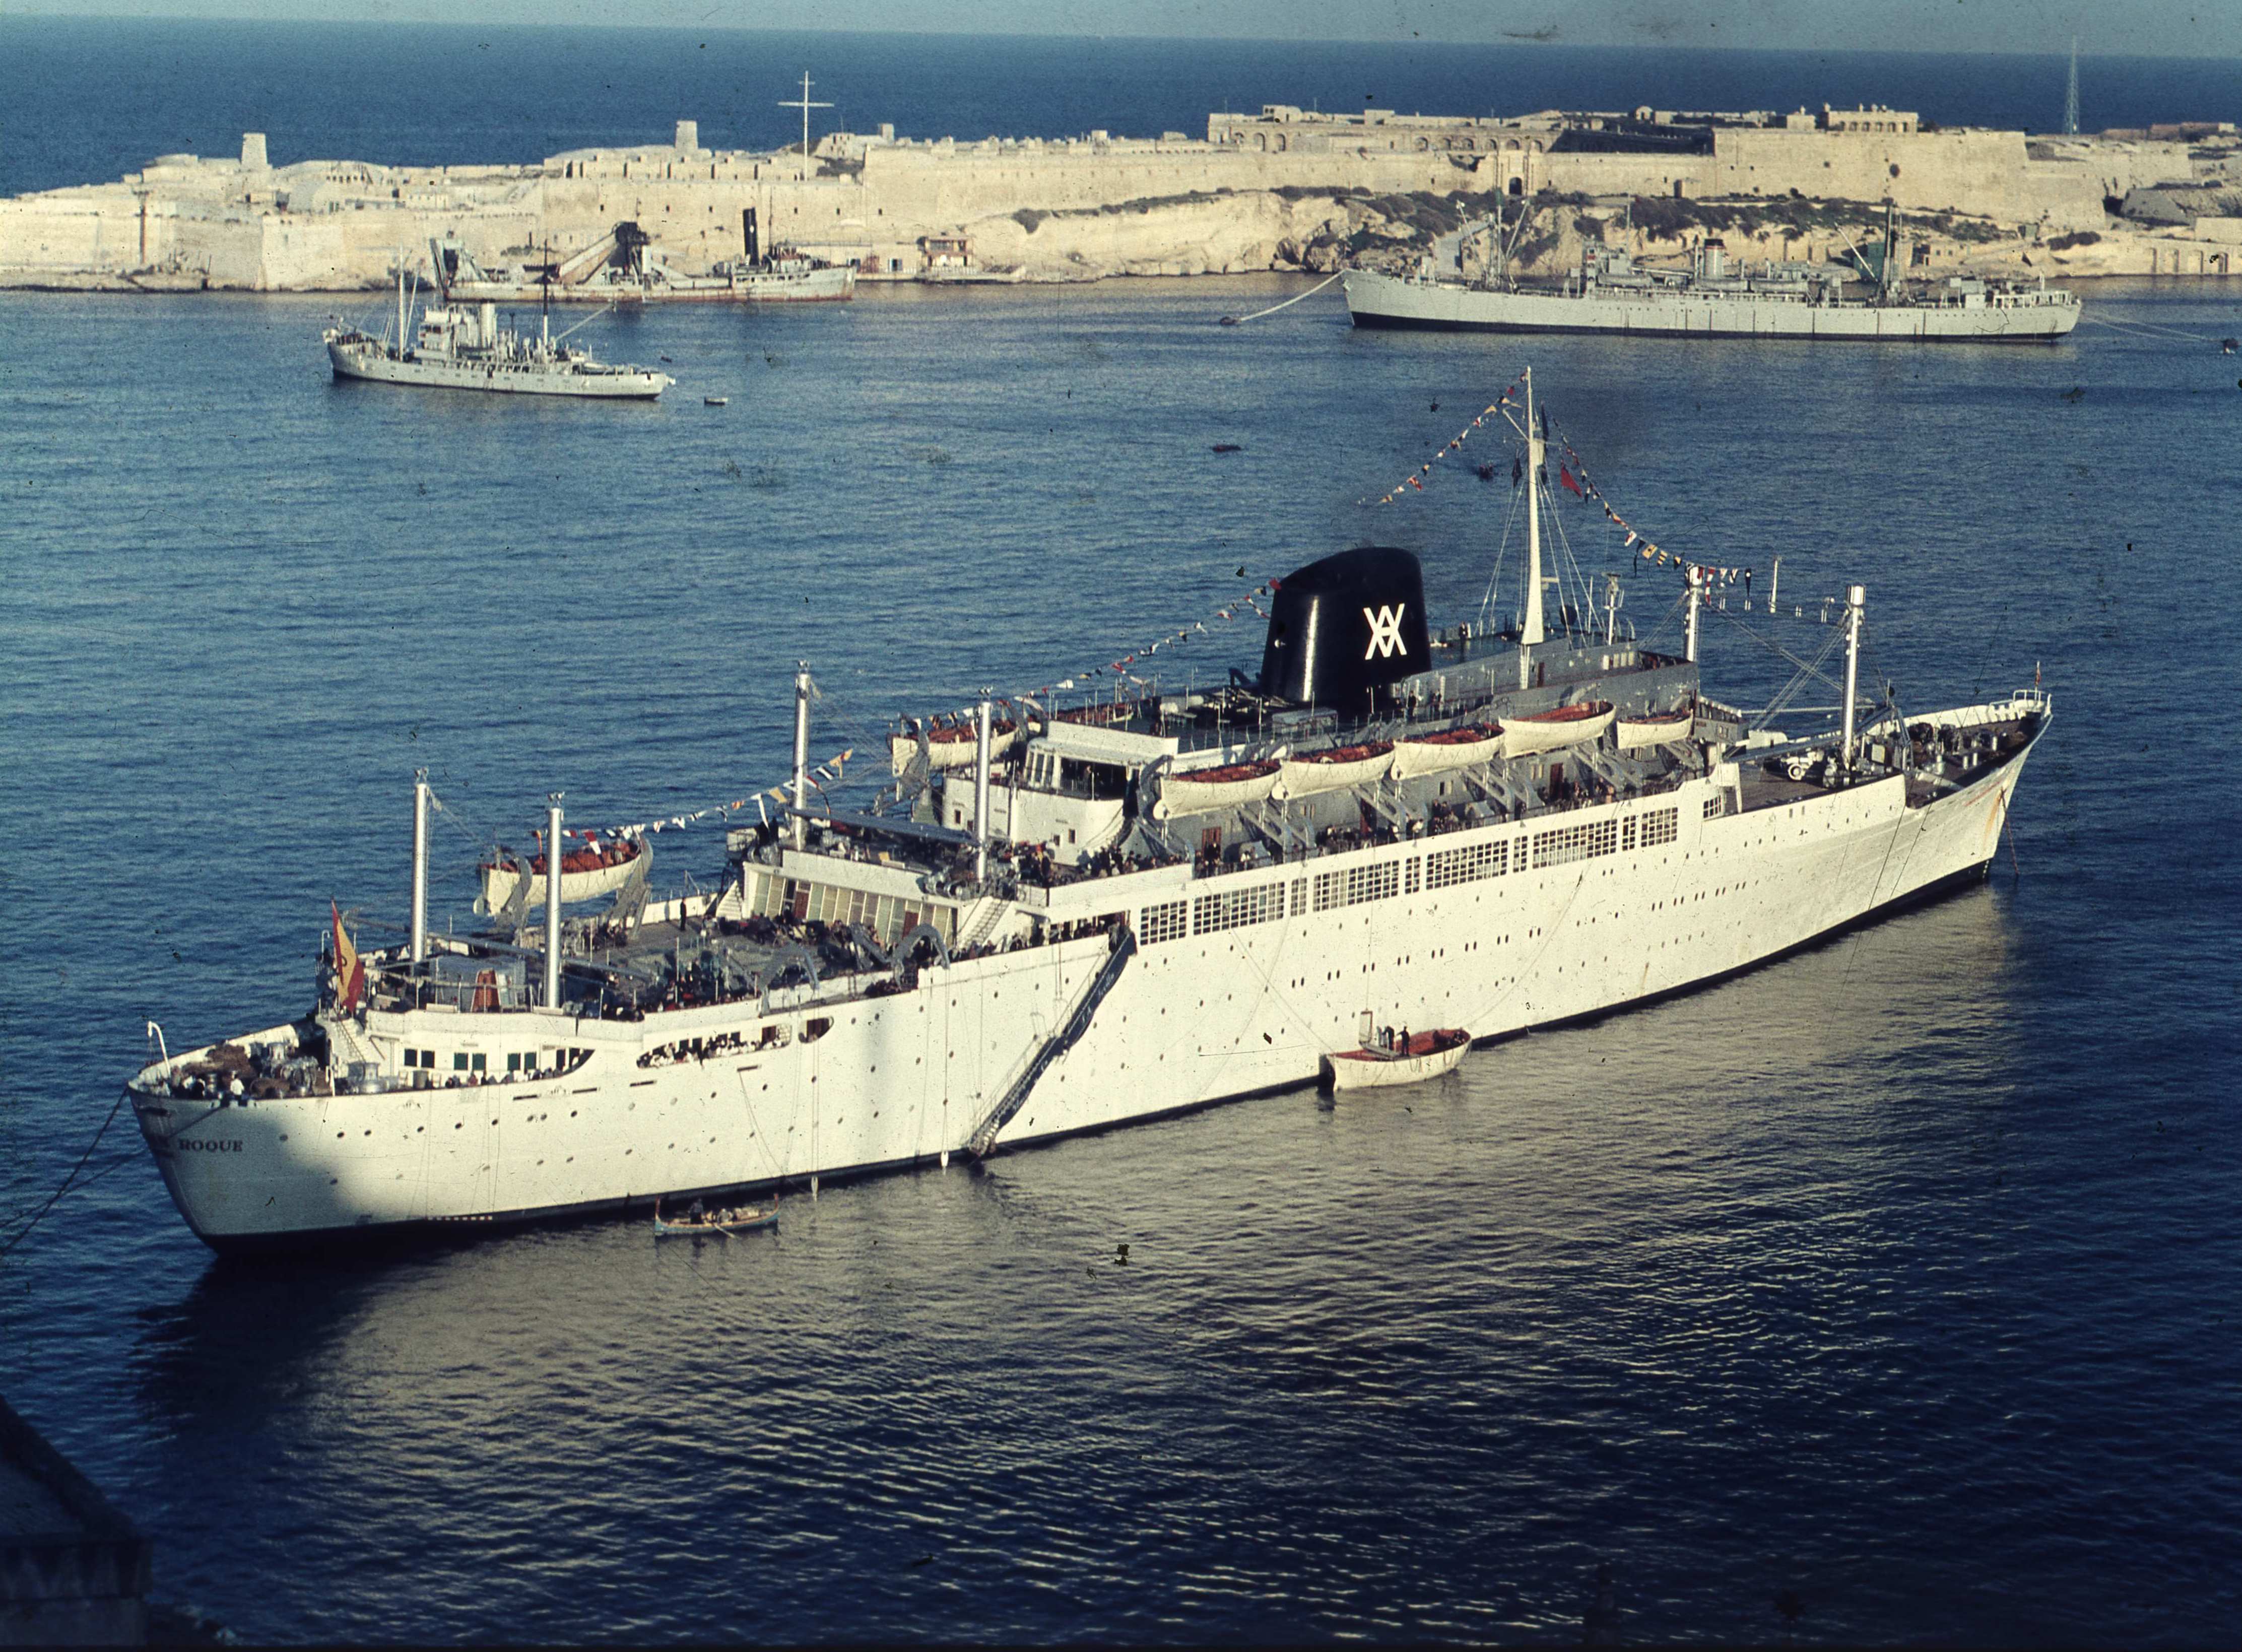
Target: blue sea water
pixel 1883 1294
pixel 89 99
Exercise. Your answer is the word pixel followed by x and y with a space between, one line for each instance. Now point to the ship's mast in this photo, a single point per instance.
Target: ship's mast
pixel 800 752
pixel 400 302
pixel 553 900
pixel 1536 456
pixel 981 793
pixel 419 865
pixel 1856 602
pixel 1696 603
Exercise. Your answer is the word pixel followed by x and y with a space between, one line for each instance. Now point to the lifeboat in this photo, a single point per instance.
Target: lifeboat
pixel 952 745
pixel 1101 715
pixel 586 874
pixel 1228 787
pixel 1565 726
pixel 1374 1066
pixel 1653 728
pixel 1476 742
pixel 1307 773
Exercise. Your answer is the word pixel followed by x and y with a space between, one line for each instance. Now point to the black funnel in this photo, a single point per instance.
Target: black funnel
pixel 1343 630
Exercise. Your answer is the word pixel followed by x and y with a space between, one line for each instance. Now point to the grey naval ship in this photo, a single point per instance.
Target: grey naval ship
pixel 623 267
pixel 1862 302
pixel 1068 916
pixel 457 348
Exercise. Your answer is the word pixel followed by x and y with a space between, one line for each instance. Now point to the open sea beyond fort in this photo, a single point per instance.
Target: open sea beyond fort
pixel 1882 1293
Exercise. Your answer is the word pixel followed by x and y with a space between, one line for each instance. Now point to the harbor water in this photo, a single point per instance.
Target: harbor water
pixel 1883 1293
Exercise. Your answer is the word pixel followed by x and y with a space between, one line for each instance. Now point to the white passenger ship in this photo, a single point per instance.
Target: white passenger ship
pixel 1075 933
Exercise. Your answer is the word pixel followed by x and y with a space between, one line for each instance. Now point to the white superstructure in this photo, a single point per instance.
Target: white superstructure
pixel 1047 945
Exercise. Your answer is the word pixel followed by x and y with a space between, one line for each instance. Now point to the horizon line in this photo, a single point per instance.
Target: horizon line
pixel 21 13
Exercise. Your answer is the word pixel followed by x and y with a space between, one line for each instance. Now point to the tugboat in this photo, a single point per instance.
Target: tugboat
pixel 1116 918
pixel 459 349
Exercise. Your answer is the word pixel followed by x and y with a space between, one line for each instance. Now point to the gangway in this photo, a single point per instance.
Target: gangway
pixel 985 1134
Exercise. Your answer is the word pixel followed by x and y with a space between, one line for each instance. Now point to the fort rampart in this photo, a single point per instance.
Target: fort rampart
pixel 1253 194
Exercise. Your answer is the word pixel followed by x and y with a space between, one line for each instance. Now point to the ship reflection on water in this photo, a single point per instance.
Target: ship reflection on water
pixel 1612 1292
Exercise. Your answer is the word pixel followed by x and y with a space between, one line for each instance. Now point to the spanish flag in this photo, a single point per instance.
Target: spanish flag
pixel 350 973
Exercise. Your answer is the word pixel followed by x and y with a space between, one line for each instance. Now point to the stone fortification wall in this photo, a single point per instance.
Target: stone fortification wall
pixel 930 190
pixel 1281 190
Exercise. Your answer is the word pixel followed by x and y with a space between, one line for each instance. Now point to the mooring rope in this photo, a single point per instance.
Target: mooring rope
pixel 1240 321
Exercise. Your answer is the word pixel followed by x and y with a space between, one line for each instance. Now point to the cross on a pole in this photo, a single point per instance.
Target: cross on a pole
pixel 803 103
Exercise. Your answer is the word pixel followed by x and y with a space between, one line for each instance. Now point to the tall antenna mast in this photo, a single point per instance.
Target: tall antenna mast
pixel 1536 455
pixel 2070 94
pixel 803 103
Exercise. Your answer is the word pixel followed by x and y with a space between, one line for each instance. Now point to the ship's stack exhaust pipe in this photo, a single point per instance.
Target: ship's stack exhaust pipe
pixel 1342 631
pixel 419 865
pixel 981 791
pixel 1856 602
pixel 552 901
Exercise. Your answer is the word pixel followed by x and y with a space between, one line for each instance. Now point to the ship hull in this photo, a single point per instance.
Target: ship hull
pixel 1376 300
pixel 1192 1020
pixel 833 284
pixel 496 379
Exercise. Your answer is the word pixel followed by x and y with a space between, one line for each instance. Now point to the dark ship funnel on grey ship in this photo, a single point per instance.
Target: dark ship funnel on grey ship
pixel 1343 629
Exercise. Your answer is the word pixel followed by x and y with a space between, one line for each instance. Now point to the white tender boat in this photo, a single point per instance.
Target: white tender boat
pixel 1547 730
pixel 1425 1055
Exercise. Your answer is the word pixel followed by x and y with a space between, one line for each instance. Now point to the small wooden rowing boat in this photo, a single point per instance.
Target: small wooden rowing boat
pixel 1309 772
pixel 1564 726
pixel 1474 743
pixel 744 1218
pixel 1653 728
pixel 1228 787
pixel 1426 1055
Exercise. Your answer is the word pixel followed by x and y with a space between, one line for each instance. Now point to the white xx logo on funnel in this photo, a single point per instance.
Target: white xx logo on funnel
pixel 1385 631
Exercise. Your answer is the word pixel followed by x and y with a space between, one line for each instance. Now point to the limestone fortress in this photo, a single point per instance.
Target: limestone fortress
pixel 1281 189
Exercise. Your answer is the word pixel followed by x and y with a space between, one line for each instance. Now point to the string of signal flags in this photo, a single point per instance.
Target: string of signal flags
pixel 1572 475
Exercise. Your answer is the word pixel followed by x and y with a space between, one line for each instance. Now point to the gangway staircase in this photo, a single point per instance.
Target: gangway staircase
pixel 1070 1033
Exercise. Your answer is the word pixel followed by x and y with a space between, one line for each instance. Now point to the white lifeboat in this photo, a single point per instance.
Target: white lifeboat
pixel 1564 726
pixel 952 745
pixel 1476 742
pixel 586 875
pixel 1229 786
pixel 1653 728
pixel 1307 773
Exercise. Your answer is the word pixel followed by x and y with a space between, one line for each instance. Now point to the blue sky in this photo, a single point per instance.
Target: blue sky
pixel 2166 28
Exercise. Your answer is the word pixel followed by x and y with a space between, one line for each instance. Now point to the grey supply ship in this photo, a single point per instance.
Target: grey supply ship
pixel 461 349
pixel 623 267
pixel 1107 912
pixel 1863 301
